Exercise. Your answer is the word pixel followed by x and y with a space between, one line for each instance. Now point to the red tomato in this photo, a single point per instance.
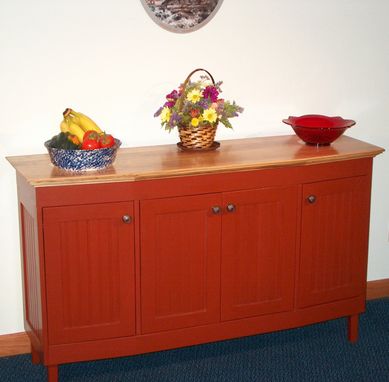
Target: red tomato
pixel 91 134
pixel 90 144
pixel 106 140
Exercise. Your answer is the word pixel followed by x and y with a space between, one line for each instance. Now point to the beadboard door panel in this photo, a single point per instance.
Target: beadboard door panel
pixel 334 241
pixel 259 250
pixel 180 262
pixel 89 256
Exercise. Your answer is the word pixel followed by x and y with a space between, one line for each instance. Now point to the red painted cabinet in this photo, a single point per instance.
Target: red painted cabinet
pixel 171 249
pixel 89 263
pixel 334 239
pixel 258 251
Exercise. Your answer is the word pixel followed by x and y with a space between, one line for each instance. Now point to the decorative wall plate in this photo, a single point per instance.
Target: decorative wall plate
pixel 181 16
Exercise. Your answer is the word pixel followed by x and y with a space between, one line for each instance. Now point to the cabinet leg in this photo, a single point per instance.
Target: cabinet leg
pixel 353 327
pixel 35 356
pixel 52 373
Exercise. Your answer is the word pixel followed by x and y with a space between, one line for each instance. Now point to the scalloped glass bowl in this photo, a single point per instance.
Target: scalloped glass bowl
pixel 316 129
pixel 83 160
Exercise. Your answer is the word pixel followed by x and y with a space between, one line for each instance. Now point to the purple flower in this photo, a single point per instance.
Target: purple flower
pixel 211 92
pixel 171 99
pixel 169 104
pixel 158 112
pixel 174 119
pixel 203 103
pixel 220 106
pixel 172 96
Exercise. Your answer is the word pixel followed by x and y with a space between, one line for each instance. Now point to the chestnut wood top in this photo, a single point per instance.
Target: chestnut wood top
pixel 140 163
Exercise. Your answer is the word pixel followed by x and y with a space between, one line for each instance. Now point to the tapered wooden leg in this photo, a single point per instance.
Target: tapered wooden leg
pixel 35 356
pixel 353 327
pixel 52 373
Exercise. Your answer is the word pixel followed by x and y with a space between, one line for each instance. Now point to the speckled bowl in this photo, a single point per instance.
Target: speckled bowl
pixel 83 160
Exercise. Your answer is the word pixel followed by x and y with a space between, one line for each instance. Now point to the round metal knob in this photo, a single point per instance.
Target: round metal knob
pixel 216 210
pixel 311 199
pixel 127 219
pixel 231 207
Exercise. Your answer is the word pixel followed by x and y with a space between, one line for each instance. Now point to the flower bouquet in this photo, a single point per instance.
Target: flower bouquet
pixel 196 109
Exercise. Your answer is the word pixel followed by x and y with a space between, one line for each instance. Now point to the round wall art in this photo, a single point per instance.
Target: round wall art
pixel 181 16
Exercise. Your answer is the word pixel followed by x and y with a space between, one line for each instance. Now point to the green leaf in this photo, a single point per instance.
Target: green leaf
pixel 226 123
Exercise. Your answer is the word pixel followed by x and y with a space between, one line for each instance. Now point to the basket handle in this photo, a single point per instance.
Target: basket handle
pixel 181 99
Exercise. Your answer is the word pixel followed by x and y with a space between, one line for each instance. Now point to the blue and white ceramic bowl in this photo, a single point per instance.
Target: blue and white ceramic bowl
pixel 83 160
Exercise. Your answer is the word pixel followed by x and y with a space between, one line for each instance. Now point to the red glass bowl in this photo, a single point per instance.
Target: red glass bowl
pixel 315 129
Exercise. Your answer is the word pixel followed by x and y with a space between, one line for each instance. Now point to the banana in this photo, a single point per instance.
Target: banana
pixel 64 126
pixel 75 129
pixel 82 120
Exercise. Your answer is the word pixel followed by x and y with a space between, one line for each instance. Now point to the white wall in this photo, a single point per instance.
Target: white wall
pixel 109 60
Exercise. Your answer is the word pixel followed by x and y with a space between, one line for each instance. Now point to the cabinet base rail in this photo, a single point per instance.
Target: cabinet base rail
pixel 52 369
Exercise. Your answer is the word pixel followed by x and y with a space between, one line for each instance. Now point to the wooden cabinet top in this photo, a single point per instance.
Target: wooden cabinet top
pixel 140 163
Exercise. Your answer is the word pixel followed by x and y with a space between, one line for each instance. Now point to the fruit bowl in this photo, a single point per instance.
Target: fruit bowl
pixel 83 160
pixel 315 129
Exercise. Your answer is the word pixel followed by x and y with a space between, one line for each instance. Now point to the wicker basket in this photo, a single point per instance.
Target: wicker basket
pixel 202 136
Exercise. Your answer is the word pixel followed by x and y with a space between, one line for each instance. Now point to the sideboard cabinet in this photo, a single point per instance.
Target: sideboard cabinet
pixel 168 249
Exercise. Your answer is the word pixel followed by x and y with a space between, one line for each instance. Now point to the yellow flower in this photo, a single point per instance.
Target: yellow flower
pixel 194 96
pixel 210 115
pixel 165 114
pixel 195 122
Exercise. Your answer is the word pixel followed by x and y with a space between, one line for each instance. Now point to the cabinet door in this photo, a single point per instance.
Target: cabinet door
pixel 89 260
pixel 180 262
pixel 258 252
pixel 334 241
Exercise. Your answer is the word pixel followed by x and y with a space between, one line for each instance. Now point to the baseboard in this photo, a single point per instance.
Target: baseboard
pixel 19 343
pixel 13 344
pixel 377 289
